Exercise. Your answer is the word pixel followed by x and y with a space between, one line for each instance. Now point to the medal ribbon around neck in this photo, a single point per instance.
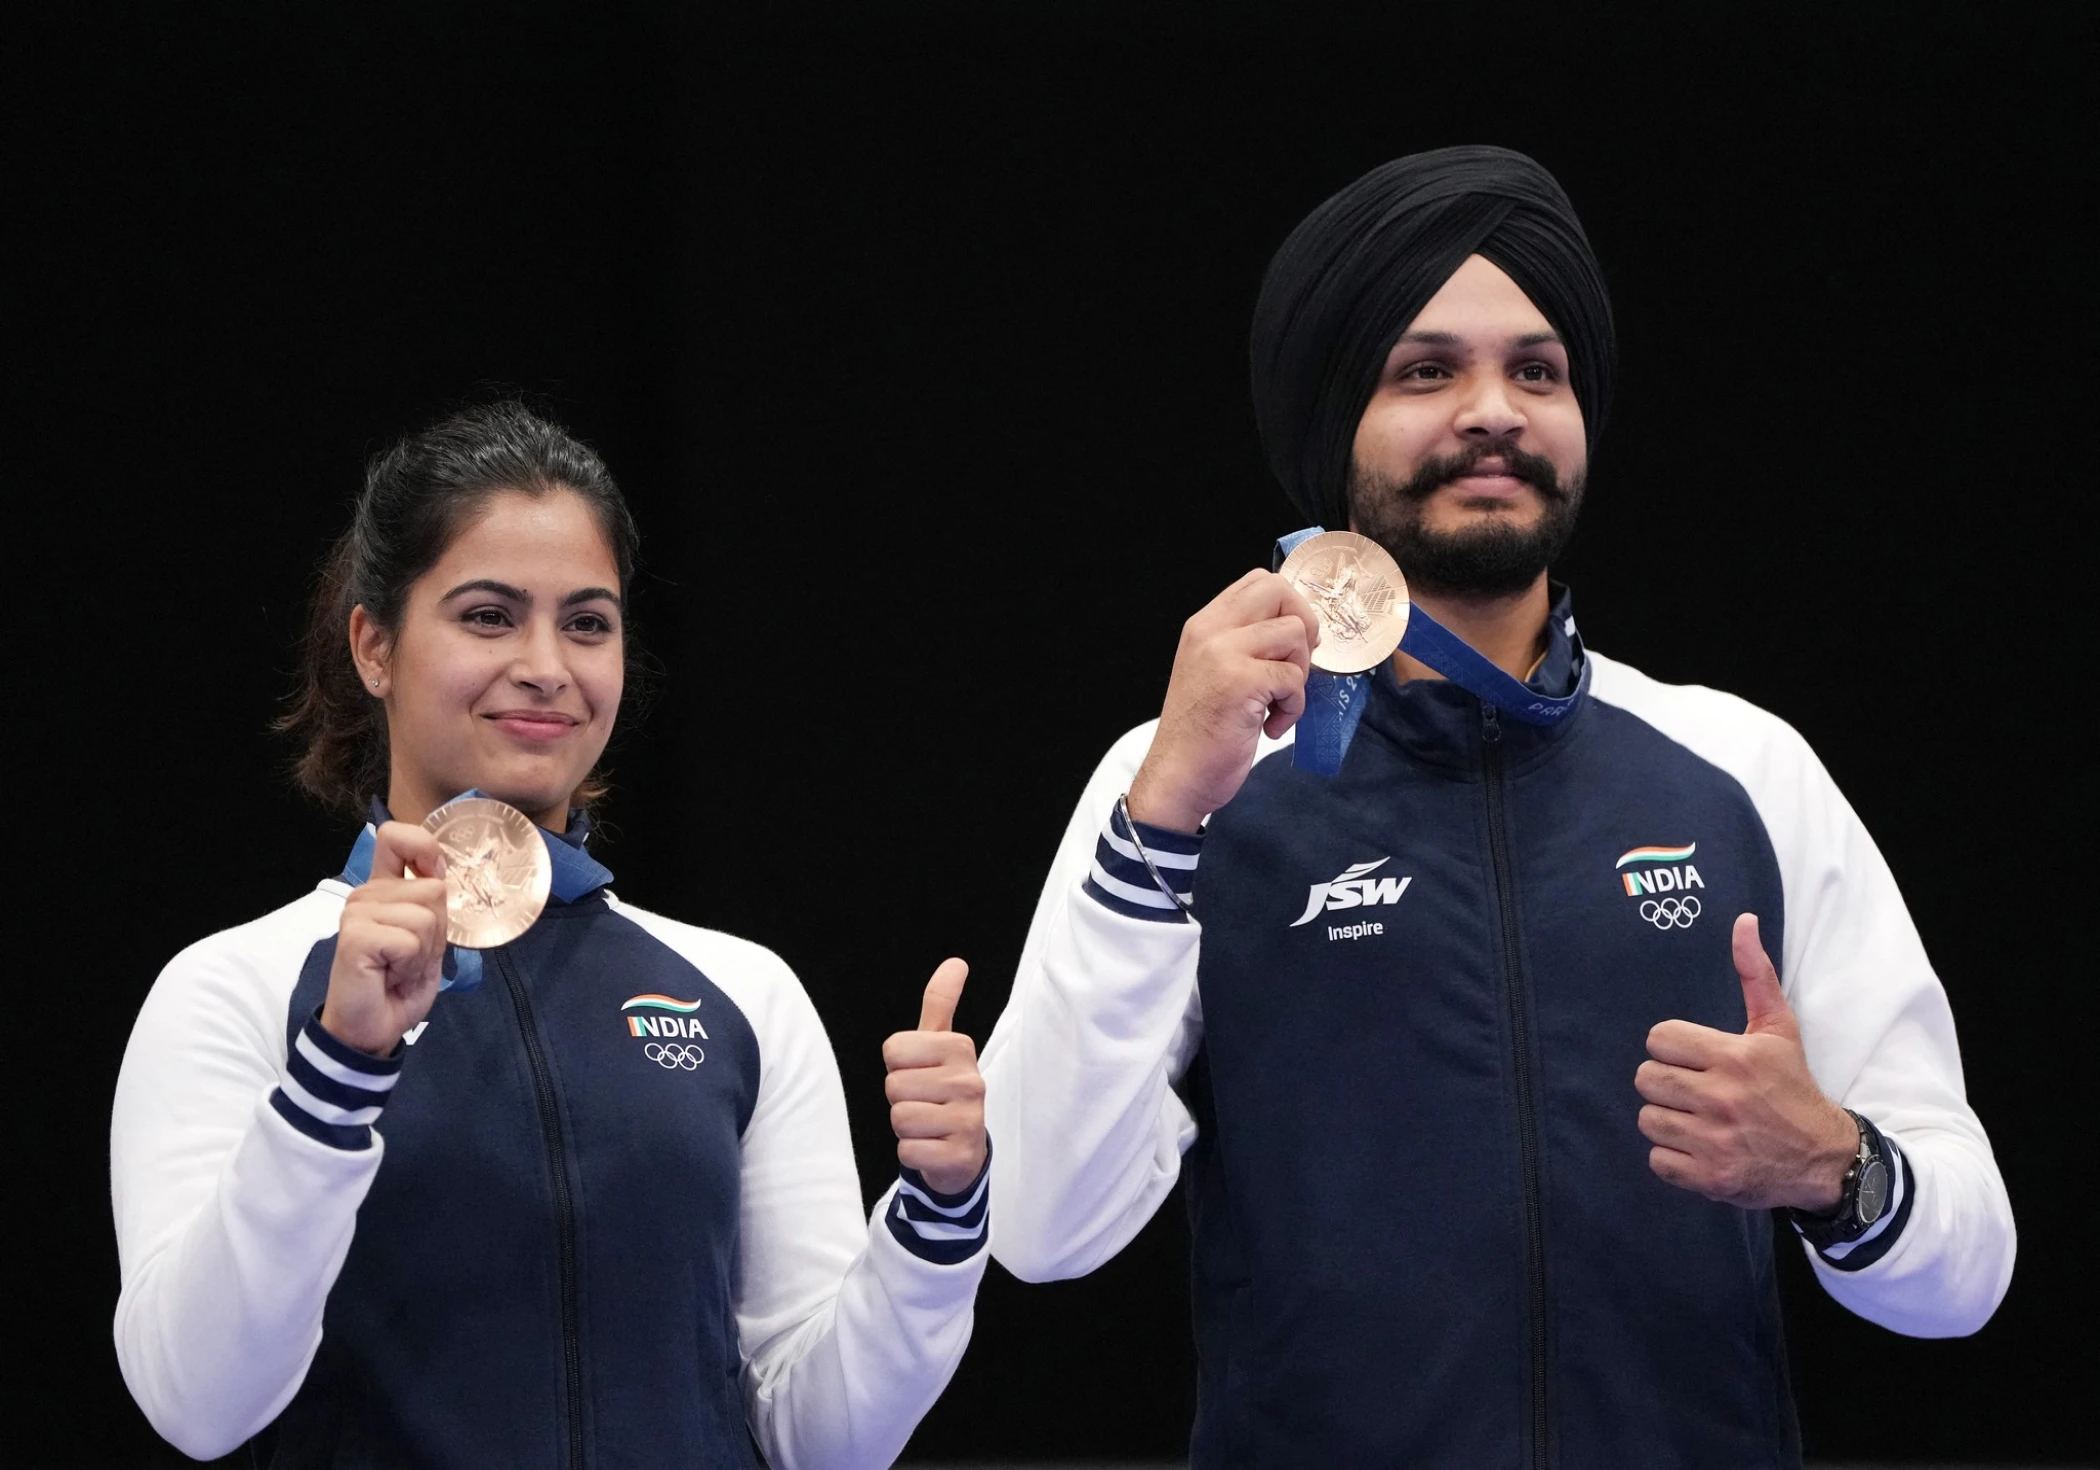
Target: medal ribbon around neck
pixel 575 874
pixel 1334 703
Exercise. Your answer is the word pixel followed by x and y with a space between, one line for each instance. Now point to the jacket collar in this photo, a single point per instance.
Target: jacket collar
pixel 1435 721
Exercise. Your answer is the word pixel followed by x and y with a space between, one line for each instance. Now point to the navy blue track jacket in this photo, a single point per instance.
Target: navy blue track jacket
pixel 601 1210
pixel 1397 1045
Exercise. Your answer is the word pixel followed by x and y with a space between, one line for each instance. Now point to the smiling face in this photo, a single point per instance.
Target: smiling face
pixel 1469 459
pixel 505 671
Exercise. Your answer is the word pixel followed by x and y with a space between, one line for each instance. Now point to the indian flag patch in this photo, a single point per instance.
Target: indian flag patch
pixel 1639 855
pixel 1637 877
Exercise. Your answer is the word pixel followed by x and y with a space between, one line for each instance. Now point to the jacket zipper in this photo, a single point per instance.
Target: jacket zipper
pixel 1514 995
pixel 564 1202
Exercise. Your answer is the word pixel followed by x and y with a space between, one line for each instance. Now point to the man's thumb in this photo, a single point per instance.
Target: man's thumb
pixel 1768 1011
pixel 937 1012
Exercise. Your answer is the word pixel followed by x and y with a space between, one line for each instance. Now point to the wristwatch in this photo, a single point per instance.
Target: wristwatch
pixel 1862 1200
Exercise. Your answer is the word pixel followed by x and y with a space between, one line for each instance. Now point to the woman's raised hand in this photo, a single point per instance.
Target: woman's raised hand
pixel 390 947
pixel 936 1095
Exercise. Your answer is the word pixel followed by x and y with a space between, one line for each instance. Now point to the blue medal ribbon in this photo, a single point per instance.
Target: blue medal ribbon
pixel 1334 703
pixel 576 874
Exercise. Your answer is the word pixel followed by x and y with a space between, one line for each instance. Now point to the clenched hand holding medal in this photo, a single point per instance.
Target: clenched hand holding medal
pixel 474 875
pixel 1355 587
pixel 1296 647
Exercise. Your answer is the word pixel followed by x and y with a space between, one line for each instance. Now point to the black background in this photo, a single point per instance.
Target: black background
pixel 861 308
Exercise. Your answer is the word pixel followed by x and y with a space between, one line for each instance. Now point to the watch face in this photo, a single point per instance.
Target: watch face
pixel 1873 1191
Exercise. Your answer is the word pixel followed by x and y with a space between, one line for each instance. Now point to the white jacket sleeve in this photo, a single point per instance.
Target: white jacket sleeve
pixel 233 1215
pixel 1087 1129
pixel 1874 1021
pixel 1880 1039
pixel 848 1333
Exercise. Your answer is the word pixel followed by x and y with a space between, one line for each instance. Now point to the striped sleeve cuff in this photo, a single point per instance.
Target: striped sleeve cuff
pixel 942 1228
pixel 1857 1255
pixel 1120 880
pixel 331 1092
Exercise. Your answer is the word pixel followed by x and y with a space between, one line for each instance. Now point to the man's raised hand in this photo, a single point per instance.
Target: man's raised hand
pixel 1239 672
pixel 936 1095
pixel 1738 1118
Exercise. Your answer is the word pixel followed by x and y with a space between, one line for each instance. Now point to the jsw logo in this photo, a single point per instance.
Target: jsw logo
pixel 1351 889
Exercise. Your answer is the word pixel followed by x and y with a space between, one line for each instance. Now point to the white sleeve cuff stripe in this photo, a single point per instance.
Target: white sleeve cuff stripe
pixel 1131 870
pixel 1129 892
pixel 325 1112
pixel 905 1186
pixel 335 1071
pixel 1160 858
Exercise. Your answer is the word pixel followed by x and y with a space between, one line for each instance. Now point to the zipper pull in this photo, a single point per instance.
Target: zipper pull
pixel 1490 723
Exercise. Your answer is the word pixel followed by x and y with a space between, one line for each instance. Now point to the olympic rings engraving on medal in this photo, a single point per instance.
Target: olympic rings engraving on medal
pixel 1671 913
pixel 677 1056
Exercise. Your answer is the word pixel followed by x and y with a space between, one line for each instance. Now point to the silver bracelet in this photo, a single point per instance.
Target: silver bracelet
pixel 1123 809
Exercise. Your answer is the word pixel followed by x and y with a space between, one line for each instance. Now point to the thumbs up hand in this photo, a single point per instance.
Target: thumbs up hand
pixel 936 1095
pixel 1738 1118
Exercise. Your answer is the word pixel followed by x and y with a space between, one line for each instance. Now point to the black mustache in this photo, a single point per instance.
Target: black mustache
pixel 1440 470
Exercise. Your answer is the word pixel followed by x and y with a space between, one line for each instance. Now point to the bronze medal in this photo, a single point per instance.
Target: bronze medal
pixel 497 871
pixel 1356 589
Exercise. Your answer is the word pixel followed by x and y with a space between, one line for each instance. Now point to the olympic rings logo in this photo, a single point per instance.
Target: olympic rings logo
pixel 1671 913
pixel 675 1057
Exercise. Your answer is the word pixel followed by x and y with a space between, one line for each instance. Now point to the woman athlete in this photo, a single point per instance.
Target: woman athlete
pixel 586 1198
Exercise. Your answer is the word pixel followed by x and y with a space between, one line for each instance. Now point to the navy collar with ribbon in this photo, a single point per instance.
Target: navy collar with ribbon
pixel 1334 703
pixel 576 875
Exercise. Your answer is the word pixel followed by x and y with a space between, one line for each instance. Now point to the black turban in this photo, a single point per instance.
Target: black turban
pixel 1364 264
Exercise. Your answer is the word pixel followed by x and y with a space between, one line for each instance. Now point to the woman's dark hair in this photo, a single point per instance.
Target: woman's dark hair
pixel 417 497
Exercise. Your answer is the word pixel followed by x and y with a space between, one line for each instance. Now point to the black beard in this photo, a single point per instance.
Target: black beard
pixel 1490 559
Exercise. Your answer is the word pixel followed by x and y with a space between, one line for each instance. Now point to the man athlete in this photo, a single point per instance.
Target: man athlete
pixel 1495 1057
